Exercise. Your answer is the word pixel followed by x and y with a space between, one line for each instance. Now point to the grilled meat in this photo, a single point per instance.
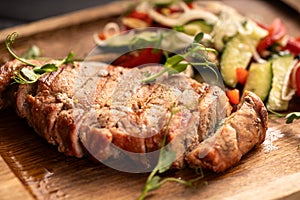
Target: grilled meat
pixel 239 133
pixel 107 112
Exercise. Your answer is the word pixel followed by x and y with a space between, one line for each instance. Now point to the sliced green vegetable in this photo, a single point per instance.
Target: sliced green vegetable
pixel 259 80
pixel 280 68
pixel 237 54
pixel 239 51
pixel 194 27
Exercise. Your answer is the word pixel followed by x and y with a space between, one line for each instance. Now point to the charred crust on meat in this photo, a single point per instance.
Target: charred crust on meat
pixel 205 137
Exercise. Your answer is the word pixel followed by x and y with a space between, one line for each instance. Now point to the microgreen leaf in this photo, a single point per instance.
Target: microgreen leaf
pixel 174 60
pixel 178 68
pixel 199 37
pixel 153 183
pixel 165 160
pixel 292 116
pixel 29 75
pixel 69 58
pixel 45 69
pixel 9 41
pixel 177 63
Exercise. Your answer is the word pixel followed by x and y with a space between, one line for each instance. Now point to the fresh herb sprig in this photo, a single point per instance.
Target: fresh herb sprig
pixel 30 75
pixel 289 118
pixel 177 63
pixel 165 160
pixel 292 116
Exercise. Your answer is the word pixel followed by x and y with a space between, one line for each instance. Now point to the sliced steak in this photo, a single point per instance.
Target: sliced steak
pixel 239 133
pixel 108 112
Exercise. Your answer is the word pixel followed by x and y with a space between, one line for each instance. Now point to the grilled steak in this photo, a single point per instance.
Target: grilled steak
pixel 110 112
pixel 238 133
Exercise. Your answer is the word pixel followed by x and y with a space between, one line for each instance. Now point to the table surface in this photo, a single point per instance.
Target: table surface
pixel 36 170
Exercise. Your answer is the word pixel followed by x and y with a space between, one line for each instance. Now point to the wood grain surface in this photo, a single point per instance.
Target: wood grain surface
pixel 11 187
pixel 271 171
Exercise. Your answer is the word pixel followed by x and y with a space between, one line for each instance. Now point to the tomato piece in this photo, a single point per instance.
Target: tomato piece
pixel 101 36
pixel 190 5
pixel 142 16
pixel 242 75
pixel 276 31
pixel 293 45
pixel 233 96
pixel 139 57
pixel 298 82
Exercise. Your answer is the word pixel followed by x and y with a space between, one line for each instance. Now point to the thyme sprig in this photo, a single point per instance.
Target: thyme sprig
pixel 165 160
pixel 30 75
pixel 177 63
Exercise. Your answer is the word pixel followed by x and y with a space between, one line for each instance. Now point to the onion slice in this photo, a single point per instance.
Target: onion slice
pixel 109 30
pixel 289 90
pixel 186 16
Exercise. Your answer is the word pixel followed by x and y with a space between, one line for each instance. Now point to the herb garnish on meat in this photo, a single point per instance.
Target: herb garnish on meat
pixel 31 75
pixel 177 63
pixel 165 160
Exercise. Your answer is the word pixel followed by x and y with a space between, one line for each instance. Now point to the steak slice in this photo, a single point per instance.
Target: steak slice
pixel 111 113
pixel 239 133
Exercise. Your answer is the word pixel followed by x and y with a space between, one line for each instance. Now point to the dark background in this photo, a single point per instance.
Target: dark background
pixel 15 12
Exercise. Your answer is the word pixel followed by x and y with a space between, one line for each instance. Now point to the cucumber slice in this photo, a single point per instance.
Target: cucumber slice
pixel 237 53
pixel 239 50
pixel 280 68
pixel 259 80
pixel 196 27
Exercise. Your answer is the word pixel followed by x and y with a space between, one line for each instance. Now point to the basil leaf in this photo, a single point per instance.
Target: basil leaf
pixel 291 116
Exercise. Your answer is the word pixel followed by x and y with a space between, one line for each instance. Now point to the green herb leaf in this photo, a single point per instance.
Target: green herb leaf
pixel 45 69
pixel 165 160
pixel 199 37
pixel 29 74
pixel 153 184
pixel 178 68
pixel 9 41
pixel 179 28
pixel 177 64
pixel 69 58
pixel 174 60
pixel 292 116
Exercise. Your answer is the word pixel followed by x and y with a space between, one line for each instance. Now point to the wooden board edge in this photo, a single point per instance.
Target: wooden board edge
pixel 69 19
pixel 293 4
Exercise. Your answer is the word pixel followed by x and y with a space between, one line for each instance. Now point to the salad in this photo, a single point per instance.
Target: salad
pixel 251 56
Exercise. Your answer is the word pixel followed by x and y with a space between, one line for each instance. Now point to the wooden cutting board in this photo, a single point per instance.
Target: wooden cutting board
pixel 32 169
